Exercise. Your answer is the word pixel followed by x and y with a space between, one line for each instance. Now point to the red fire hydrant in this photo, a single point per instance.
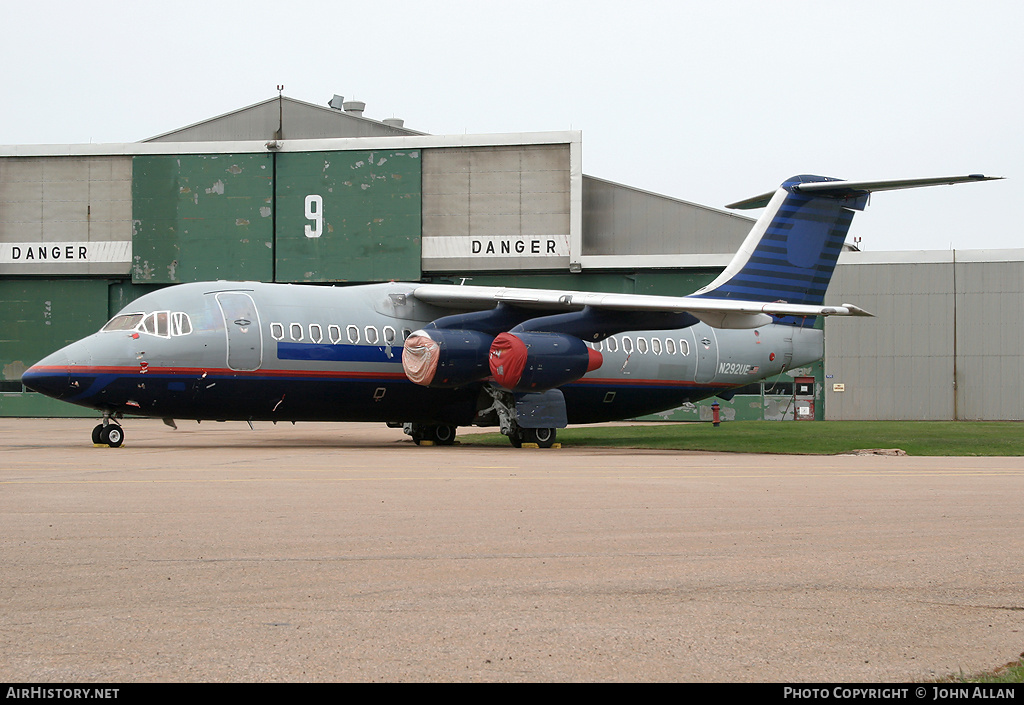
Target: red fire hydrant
pixel 715 418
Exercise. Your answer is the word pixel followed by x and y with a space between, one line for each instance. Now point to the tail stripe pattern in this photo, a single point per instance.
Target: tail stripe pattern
pixel 795 257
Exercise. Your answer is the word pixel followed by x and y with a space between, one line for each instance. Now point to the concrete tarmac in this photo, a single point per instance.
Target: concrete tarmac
pixel 342 552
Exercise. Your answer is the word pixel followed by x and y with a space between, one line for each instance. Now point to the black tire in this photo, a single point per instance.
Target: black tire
pixel 97 435
pixel 516 438
pixel 443 435
pixel 112 435
pixel 543 437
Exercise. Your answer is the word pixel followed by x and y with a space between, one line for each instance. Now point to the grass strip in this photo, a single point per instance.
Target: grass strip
pixel 947 438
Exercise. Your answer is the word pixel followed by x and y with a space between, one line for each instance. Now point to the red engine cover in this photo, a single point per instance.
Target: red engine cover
pixel 507 359
pixel 530 361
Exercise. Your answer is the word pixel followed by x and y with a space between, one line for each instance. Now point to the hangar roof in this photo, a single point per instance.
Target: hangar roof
pixel 295 119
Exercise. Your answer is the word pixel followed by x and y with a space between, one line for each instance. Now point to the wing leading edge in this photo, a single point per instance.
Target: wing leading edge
pixel 719 313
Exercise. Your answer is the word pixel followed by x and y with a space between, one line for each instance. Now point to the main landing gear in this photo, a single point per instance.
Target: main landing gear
pixel 543 437
pixel 510 409
pixel 108 433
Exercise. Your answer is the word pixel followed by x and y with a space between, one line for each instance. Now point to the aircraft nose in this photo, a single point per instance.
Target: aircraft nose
pixel 52 375
pixel 49 376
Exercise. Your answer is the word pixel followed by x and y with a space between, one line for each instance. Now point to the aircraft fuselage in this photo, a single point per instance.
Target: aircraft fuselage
pixel 277 352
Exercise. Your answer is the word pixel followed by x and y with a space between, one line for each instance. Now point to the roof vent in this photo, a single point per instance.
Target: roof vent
pixel 337 101
pixel 394 122
pixel 354 107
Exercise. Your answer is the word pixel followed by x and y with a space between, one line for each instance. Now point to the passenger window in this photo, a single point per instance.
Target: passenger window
pixel 405 334
pixel 684 347
pixel 613 345
pixel 656 346
pixel 371 335
pixel 641 345
pixel 334 332
pixel 316 333
pixel 627 344
pixel 296 331
pixel 276 331
pixel 670 346
pixel 353 334
pixel 389 335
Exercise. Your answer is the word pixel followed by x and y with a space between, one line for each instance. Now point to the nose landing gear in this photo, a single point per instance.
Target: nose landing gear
pixel 108 433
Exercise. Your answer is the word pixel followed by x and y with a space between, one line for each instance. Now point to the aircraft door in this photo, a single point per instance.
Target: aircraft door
pixel 244 336
pixel 706 349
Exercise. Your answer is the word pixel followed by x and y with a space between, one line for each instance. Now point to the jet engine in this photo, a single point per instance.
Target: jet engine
pixel 446 358
pixel 529 361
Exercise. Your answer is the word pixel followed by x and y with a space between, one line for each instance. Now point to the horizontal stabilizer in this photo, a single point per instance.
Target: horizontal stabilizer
pixel 858 188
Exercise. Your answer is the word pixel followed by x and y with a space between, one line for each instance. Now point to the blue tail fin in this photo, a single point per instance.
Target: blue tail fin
pixel 792 249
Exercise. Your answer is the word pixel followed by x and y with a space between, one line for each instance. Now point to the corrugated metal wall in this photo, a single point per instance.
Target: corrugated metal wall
pixel 619 220
pixel 990 339
pixel 898 365
pixel 910 362
pixel 496 207
pixel 51 208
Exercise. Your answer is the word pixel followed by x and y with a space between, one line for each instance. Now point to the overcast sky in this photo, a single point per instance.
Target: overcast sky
pixel 710 102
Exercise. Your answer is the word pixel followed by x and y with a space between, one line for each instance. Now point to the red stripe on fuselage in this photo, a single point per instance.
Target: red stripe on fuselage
pixel 618 381
pixel 215 371
pixel 341 374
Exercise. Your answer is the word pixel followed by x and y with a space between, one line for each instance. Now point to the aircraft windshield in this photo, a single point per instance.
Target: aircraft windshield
pixel 163 324
pixel 126 322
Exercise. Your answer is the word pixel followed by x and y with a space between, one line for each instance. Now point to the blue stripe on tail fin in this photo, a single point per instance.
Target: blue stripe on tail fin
pixel 792 250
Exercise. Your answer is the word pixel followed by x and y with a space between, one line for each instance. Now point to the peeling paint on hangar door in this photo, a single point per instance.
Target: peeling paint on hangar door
pixel 352 216
pixel 200 217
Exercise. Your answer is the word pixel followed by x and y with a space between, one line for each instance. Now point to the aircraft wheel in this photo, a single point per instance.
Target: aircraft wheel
pixel 516 438
pixel 112 435
pixel 543 437
pixel 97 435
pixel 443 435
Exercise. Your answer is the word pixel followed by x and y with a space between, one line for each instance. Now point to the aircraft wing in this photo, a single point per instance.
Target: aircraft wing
pixel 719 313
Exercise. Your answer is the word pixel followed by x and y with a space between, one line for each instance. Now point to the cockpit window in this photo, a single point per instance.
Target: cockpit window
pixel 180 324
pixel 156 324
pixel 160 323
pixel 127 321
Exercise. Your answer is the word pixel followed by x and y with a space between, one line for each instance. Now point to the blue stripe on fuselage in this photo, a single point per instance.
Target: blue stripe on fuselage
pixel 331 352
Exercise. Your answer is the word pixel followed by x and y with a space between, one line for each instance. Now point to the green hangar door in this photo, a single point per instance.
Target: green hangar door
pixel 198 217
pixel 350 216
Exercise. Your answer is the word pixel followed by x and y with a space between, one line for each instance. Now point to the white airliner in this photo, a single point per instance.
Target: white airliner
pixel 432 357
